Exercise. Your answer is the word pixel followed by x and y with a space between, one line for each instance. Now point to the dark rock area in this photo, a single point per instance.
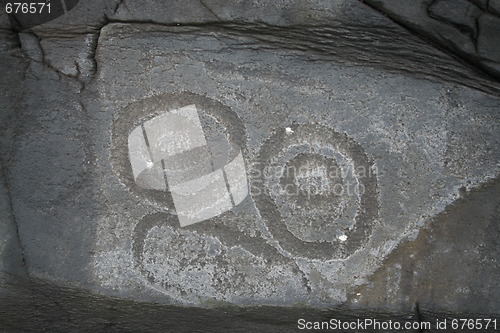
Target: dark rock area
pixel 469 29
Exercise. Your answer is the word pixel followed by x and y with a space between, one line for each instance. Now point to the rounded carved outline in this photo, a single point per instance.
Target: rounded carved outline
pixel 368 206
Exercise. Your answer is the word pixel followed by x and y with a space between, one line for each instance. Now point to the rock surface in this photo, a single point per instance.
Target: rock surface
pixel 467 28
pixel 403 138
pixel 463 234
pixel 296 87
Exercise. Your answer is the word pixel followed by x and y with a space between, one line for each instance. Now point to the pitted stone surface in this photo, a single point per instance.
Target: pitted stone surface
pixel 306 90
pixel 412 140
pixel 340 214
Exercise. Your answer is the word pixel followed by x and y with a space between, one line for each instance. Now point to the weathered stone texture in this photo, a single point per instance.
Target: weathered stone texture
pixel 309 86
pixel 452 24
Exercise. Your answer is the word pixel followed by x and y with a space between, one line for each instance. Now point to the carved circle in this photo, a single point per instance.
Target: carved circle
pixel 223 130
pixel 318 192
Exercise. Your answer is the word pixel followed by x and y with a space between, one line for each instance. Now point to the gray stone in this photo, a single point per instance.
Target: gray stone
pixel 458 12
pixel 48 174
pixel 493 67
pixel 31 46
pixel 483 4
pixel 415 15
pixel 420 166
pixel 296 102
pixel 288 12
pixel 88 16
pixel 59 308
pixel 4 21
pixel 11 255
pixel 488 43
pixel 192 11
pixel 71 56
pixel 85 17
pixel 9 41
pixel 420 270
pixel 494 7
pixel 12 67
